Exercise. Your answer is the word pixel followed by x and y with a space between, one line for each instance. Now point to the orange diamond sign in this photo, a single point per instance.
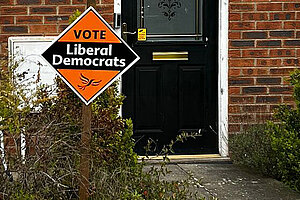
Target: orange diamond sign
pixel 89 55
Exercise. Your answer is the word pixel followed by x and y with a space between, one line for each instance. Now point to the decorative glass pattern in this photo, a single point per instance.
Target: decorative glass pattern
pixel 169 7
pixel 171 20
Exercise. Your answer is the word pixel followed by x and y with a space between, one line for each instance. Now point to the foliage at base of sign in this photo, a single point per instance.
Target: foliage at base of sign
pixel 52 128
pixel 273 148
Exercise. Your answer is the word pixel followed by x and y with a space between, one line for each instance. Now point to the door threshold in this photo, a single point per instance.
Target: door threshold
pixel 200 158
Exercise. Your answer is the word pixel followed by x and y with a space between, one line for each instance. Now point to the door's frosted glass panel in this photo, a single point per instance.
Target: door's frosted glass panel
pixel 171 17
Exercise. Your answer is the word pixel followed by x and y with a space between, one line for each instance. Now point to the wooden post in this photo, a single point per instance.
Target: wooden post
pixel 85 141
pixel 91 3
pixel 84 151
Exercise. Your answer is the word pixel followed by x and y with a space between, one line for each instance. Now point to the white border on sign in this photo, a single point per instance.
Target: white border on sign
pixel 111 81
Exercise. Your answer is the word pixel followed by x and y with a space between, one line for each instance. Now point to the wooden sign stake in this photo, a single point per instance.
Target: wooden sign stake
pixel 85 141
pixel 85 152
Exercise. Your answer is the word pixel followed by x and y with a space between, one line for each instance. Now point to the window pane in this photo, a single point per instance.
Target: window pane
pixel 171 17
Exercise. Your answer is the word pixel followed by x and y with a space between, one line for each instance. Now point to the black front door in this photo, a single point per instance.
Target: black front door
pixel 173 88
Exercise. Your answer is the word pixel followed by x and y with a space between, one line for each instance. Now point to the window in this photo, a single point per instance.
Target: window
pixel 171 20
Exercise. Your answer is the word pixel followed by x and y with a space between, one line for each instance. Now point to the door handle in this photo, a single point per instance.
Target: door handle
pixel 125 33
pixel 130 33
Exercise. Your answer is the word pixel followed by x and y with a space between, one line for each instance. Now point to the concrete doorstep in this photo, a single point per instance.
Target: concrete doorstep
pixel 220 179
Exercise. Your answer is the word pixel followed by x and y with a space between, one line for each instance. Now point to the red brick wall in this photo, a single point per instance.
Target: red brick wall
pixel 264 47
pixel 41 17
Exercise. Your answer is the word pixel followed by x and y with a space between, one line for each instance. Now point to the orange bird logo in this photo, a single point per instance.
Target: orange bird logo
pixel 87 82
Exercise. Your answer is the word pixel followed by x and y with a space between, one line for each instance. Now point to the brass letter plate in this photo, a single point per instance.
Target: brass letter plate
pixel 183 55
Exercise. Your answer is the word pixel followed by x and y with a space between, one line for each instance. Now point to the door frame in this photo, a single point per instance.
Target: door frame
pixel 222 72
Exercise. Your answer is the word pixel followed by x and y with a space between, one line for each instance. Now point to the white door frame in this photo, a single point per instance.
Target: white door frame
pixel 223 77
pixel 222 73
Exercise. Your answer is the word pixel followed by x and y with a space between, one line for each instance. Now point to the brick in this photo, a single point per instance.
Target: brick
pixel 57 2
pixel 4 38
pixel 268 81
pixel 291 62
pixel 14 29
pixel 43 10
pixel 241 25
pixel 108 18
pixel 291 6
pixel 281 90
pixel 234 35
pixel 79 2
pixel 241 62
pixel 234 128
pixel 103 9
pixel 107 1
pixel 264 117
pixel 234 90
pixel 298 15
pixel 241 81
pixel 291 25
pixel 268 25
pixel 282 34
pixel 243 118
pixel 234 109
pixel 6 19
pixel 234 72
pixel 6 2
pixel 281 71
pixel 241 7
pixel 269 43
pixel 288 99
pixel 242 43
pixel 282 53
pixel 254 35
pixel 13 10
pixel 268 62
pixel 255 16
pixel 45 29
pixel 255 72
pixel 254 90
pixel 254 53
pixel 61 28
pixel 235 16
pixel 282 16
pixel 292 43
pixel 28 2
pixel 269 6
pixel 268 99
pixel 234 53
pixel 298 34
pixel 56 19
pixel 70 9
pixel 255 108
pixel 29 19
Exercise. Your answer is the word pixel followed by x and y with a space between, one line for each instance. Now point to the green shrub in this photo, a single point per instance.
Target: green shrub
pixel 253 149
pixel 50 169
pixel 285 144
pixel 273 148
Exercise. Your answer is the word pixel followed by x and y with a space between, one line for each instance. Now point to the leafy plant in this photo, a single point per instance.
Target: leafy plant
pixel 253 149
pixel 50 169
pixel 274 148
pixel 52 127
